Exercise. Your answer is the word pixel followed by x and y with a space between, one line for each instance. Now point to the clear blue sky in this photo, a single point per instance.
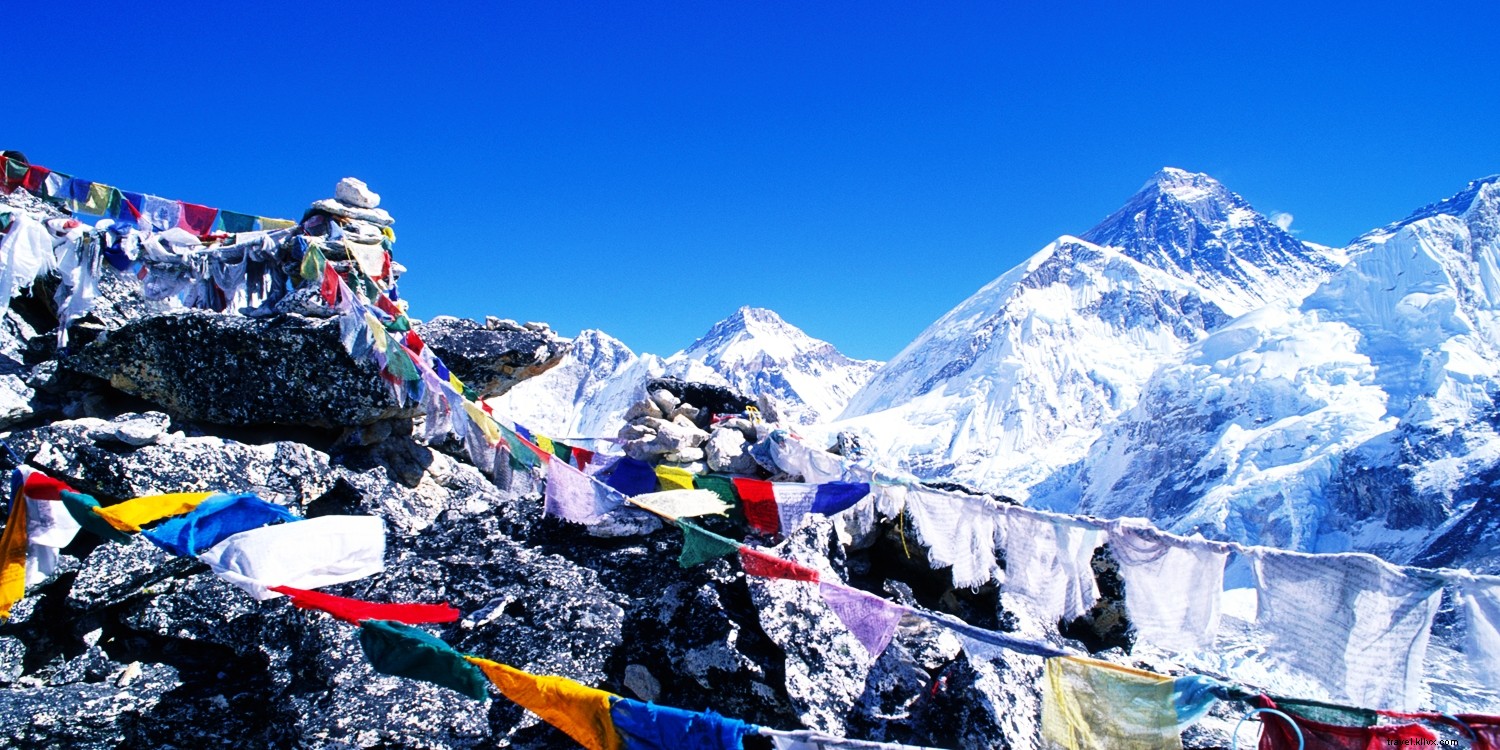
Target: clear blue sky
pixel 647 167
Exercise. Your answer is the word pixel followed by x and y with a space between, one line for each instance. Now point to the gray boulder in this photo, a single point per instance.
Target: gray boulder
pixel 493 356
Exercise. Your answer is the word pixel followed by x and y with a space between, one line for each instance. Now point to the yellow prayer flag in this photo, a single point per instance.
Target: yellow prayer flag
pixel 581 712
pixel 132 514
pixel 13 557
pixel 458 385
pixel 1093 705
pixel 270 224
pixel 377 332
pixel 491 430
pixel 389 233
pixel 673 478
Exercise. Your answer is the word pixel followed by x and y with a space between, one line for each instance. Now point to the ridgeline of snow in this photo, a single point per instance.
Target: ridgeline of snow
pixel 1020 379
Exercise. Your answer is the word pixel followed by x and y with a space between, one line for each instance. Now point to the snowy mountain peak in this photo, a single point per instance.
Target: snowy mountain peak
pixel 1189 225
pixel 757 352
pixel 1481 195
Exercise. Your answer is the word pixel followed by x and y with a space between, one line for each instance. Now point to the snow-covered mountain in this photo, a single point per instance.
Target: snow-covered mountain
pixel 806 380
pixel 754 351
pixel 1020 379
pixel 1363 417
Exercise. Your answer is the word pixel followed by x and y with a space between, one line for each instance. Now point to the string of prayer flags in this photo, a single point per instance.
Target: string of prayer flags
pixel 581 712
pixel 82 507
pixel 762 565
pixel 795 500
pixel 215 520
pixel 870 618
pixel 401 650
pixel 1094 705
pixel 675 504
pixel 700 545
pixel 355 611
pixel 647 726
pixel 307 554
pixel 137 512
pixel 574 496
pixel 1317 735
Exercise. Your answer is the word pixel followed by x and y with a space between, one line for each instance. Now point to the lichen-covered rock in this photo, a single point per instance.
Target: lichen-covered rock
pixel 493 356
pixel 233 370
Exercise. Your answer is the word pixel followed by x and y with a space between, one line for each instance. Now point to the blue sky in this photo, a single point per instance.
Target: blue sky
pixel 647 167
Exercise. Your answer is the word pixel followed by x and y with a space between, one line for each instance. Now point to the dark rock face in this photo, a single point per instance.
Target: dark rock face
pixel 492 357
pixel 233 370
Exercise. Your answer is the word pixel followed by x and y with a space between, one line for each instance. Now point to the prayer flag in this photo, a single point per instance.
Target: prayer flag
pixel 356 611
pixel 307 554
pixel 673 478
pixel 1091 705
pixel 198 219
pixel 681 503
pixel 759 501
pixel 836 497
pixel 237 223
pixel 632 476
pixel 574 496
pixel 405 651
pixel 757 563
pixel 13 557
pixel 132 514
pixel 870 618
pixel 274 224
pixel 647 726
pixel 581 712
pixel 1275 734
pixel 700 545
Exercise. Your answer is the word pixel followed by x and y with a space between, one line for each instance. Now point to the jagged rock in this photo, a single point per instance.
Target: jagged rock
pixel 87 716
pixel 665 401
pixel 493 357
pixel 232 370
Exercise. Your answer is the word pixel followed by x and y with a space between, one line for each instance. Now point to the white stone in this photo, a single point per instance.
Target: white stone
pixel 356 193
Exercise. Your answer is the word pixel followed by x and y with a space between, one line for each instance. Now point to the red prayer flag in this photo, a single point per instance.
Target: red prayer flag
pixel 39 486
pixel 329 287
pixel 414 342
pixel 760 504
pixel 35 178
pixel 582 458
pixel 356 610
pixel 757 563
pixel 1275 734
pixel 388 307
pixel 197 219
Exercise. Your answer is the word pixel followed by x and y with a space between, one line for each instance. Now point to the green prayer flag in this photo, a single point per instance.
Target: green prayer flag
pixel 313 263
pixel 398 363
pixel 81 508
pixel 522 457
pixel 405 651
pixel 724 488
pixel 700 545
pixel 235 222
pixel 401 324
pixel 562 451
pixel 97 203
pixel 15 171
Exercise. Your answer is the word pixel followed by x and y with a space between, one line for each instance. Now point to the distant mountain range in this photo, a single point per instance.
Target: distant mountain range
pixel 1186 360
